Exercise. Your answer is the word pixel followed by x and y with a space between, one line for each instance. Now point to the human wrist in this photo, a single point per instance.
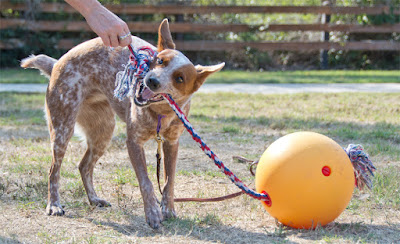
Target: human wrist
pixel 85 7
pixel 92 7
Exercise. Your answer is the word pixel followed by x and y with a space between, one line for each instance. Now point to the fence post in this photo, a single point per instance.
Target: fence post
pixel 179 19
pixel 325 19
pixel 33 7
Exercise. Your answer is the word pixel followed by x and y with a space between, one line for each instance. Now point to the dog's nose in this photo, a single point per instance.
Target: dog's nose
pixel 153 83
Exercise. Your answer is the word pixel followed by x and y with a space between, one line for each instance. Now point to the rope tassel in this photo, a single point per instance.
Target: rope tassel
pixel 136 69
pixel 363 167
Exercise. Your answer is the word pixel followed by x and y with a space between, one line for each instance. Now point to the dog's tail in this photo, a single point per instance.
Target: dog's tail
pixel 42 62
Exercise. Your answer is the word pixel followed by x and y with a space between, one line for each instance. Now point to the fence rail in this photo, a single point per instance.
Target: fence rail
pixel 263 46
pixel 149 27
pixel 205 45
pixel 182 9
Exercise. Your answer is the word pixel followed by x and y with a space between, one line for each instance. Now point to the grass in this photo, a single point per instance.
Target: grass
pixel 19 109
pixel 230 77
pixel 387 185
pixel 312 76
pixel 20 75
pixel 232 124
pixel 347 118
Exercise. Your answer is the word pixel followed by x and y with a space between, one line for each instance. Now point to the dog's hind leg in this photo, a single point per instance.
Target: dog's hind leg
pixel 61 114
pixel 96 119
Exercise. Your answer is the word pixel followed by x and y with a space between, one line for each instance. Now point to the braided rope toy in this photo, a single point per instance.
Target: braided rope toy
pixel 260 196
pixel 137 68
pixel 363 167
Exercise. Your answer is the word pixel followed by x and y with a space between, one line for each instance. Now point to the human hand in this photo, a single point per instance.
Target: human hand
pixel 110 28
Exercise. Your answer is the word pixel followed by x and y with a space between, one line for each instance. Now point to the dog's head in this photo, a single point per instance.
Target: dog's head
pixel 172 72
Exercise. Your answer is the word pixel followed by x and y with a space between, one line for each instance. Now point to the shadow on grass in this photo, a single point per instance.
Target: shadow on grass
pixel 21 109
pixel 201 229
pixel 37 133
pixel 6 240
pixel 215 231
pixel 354 232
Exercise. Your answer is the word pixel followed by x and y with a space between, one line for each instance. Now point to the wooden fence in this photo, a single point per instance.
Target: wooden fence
pixel 205 45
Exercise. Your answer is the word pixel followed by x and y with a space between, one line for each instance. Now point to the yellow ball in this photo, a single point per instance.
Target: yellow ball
pixel 308 177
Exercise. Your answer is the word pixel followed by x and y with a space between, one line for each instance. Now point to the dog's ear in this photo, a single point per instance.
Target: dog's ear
pixel 164 37
pixel 204 71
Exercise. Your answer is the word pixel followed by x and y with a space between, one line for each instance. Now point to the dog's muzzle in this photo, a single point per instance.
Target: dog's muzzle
pixel 144 95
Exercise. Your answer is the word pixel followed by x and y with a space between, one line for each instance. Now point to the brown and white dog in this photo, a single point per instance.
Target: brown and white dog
pixel 81 91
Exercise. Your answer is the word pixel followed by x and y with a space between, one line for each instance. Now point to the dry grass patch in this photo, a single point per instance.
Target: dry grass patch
pixel 232 125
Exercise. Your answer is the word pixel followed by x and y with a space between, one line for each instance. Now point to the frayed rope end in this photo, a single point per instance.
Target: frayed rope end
pixel 136 69
pixel 363 167
pixel 124 83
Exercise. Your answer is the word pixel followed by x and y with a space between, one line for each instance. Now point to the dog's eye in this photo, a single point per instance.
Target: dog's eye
pixel 160 61
pixel 179 79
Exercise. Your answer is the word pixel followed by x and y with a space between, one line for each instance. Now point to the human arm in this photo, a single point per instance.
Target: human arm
pixel 109 27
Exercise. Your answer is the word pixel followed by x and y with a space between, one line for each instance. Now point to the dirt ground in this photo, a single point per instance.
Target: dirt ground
pixel 25 159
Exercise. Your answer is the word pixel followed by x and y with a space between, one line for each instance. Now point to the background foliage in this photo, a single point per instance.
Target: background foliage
pixel 250 59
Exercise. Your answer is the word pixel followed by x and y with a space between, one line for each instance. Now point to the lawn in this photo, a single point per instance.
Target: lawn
pixel 229 77
pixel 232 124
pixel 21 76
pixel 312 76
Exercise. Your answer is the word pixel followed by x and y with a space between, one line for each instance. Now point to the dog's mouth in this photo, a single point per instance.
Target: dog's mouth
pixel 144 96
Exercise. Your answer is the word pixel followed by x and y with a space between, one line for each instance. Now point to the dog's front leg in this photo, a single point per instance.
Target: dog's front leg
pixel 138 160
pixel 170 149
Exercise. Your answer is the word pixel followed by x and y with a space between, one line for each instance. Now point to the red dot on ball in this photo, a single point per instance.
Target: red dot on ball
pixel 326 170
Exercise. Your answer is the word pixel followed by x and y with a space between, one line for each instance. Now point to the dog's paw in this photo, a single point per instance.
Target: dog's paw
pixel 167 211
pixel 154 217
pixel 55 209
pixel 99 202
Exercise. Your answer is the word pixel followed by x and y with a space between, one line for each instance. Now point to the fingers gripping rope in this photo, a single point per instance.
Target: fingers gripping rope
pixel 260 196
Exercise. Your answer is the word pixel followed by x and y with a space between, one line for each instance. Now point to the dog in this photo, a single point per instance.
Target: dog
pixel 80 91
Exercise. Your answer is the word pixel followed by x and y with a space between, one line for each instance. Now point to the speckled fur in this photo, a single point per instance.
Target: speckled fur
pixel 81 91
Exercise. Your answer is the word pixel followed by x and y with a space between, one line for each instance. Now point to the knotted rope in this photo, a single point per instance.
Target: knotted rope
pixel 135 70
pixel 363 167
pixel 260 196
pixel 361 163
